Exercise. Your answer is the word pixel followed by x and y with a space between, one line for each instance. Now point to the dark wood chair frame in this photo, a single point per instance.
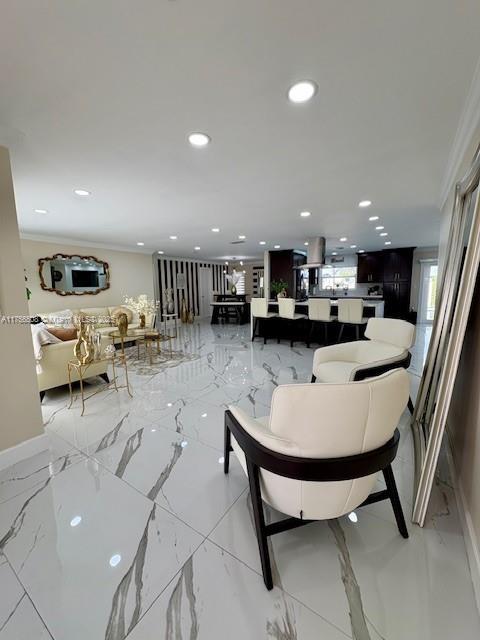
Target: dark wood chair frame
pixel 378 370
pixel 256 323
pixel 308 469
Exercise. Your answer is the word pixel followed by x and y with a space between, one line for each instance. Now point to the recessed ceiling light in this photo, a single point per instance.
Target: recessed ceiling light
pixel 242 237
pixel 353 246
pixel 216 230
pixel 197 248
pixel 198 139
pixel 277 246
pixel 343 239
pixel 388 242
pixel 361 251
pixel 305 214
pixel 306 244
pixel 81 192
pixel 383 234
pixel 226 262
pixel 262 242
pixel 40 210
pixel 334 253
pixel 173 237
pixel 161 253
pixel 379 228
pixel 241 263
pixel 364 203
pixel 372 218
pixel 114 560
pixel 74 522
pixel 140 244
pixel 302 91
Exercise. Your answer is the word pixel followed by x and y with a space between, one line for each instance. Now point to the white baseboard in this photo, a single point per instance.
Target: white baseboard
pixel 471 541
pixel 23 450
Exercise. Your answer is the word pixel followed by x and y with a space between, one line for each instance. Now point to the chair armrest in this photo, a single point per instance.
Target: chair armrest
pixel 345 352
pixel 261 433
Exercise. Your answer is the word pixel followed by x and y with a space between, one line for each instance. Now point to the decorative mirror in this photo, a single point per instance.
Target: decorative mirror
pixel 72 275
pixel 455 297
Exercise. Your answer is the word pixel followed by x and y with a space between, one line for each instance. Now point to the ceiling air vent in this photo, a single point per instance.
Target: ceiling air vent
pixel 238 242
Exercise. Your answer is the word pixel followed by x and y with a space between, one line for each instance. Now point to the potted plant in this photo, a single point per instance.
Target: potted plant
pixel 278 287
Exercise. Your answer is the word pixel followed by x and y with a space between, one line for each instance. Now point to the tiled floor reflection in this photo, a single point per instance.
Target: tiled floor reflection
pixel 128 526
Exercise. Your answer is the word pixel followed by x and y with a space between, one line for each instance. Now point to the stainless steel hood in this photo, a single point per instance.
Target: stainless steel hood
pixel 315 254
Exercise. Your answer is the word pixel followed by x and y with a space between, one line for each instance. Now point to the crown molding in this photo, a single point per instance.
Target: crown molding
pixel 82 243
pixel 469 122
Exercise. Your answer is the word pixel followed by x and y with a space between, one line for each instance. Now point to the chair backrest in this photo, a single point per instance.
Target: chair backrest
pixel 329 421
pixel 259 307
pixel 350 309
pixel 319 309
pixel 286 308
pixel 391 331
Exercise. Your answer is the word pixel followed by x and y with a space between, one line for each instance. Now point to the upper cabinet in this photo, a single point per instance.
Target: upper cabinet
pixel 397 265
pixel 370 267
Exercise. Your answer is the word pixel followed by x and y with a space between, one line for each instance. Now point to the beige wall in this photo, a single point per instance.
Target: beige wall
pixel 20 416
pixel 464 417
pixel 130 274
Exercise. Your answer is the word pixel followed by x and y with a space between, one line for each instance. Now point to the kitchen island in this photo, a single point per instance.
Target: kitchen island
pixel 372 307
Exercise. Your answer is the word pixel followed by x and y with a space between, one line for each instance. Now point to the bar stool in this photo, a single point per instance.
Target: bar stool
pixel 319 310
pixel 350 312
pixel 286 310
pixel 259 309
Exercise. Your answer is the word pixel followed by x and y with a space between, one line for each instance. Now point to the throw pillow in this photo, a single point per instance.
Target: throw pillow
pixel 63 333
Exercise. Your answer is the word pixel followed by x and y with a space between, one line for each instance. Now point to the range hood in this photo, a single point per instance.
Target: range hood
pixel 315 254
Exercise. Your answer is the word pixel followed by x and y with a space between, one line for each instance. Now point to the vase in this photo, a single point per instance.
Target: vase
pixel 122 324
pixel 191 317
pixel 142 320
pixel 184 311
pixel 170 307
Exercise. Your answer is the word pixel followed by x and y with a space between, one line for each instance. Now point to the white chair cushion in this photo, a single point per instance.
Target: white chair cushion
pixel 391 331
pixel 335 371
pixel 299 316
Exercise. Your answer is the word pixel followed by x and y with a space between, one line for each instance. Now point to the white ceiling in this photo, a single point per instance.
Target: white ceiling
pixel 101 95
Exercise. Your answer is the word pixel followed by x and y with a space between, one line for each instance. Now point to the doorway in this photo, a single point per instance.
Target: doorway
pixel 428 291
pixel 205 290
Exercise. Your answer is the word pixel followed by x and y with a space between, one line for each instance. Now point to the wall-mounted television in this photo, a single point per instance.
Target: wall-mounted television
pixel 81 278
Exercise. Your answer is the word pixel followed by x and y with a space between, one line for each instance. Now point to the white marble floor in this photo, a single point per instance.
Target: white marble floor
pixel 128 526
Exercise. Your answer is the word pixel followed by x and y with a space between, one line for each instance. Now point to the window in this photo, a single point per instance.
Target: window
pixel 338 277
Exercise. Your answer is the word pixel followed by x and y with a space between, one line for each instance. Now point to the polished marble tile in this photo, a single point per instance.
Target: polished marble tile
pixel 101 530
pixel 18 618
pixel 182 475
pixel 92 552
pixel 215 597
pixel 36 469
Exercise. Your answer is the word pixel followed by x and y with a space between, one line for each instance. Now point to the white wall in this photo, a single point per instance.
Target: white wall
pixel 20 416
pixel 130 274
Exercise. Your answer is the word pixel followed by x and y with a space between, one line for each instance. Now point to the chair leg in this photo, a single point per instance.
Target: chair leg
pixel 42 395
pixel 314 378
pixel 342 327
pixel 255 321
pixel 357 331
pixel 395 500
pixel 410 405
pixel 227 447
pixel 259 518
pixel 325 329
pixel 310 333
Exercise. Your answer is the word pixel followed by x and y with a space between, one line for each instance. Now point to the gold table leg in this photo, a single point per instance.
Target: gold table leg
pixel 70 385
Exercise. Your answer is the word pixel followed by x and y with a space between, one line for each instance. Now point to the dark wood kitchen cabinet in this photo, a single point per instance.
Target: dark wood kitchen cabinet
pixel 282 267
pixel 370 267
pixel 397 265
pixel 397 277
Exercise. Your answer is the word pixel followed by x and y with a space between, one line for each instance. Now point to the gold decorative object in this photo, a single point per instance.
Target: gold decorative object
pixel 122 324
pixel 143 306
pixel 191 317
pixel 184 311
pixel 83 348
pixel 142 320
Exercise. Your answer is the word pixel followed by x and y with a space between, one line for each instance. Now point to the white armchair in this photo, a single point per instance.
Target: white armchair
pixel 387 347
pixel 317 455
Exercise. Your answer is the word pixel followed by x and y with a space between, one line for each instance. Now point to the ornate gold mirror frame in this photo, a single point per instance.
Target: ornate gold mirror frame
pixel 65 256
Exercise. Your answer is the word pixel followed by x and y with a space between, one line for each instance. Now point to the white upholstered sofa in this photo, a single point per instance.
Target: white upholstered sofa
pixel 53 370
